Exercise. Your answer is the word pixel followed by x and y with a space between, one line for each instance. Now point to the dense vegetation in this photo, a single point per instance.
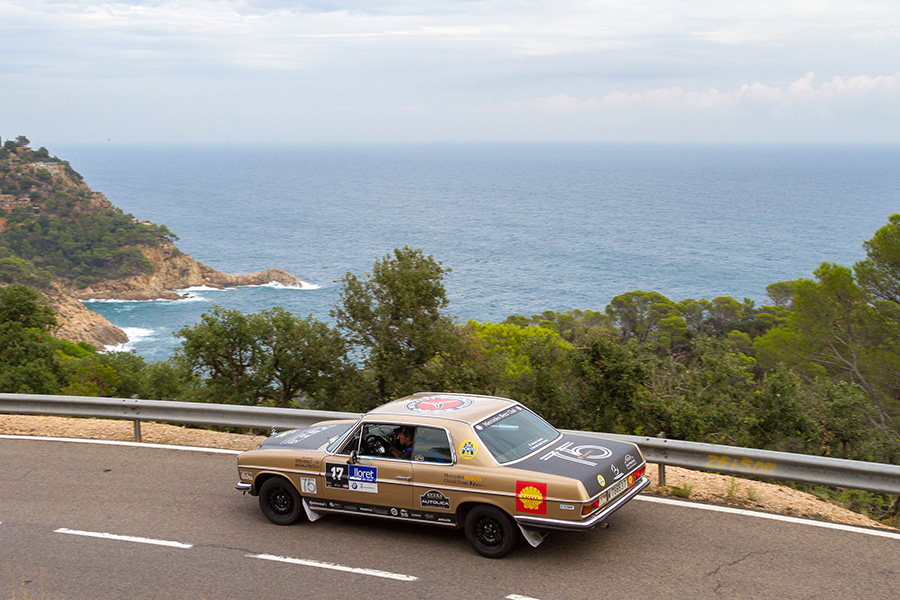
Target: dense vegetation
pixel 817 371
pixel 55 229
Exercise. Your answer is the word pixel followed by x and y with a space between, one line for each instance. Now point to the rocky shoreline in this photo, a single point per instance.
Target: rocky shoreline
pixel 172 270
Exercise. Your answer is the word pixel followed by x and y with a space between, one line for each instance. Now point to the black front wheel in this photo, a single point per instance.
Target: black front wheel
pixel 280 502
pixel 490 531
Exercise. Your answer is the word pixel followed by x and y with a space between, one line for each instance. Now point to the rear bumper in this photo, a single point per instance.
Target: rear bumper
pixel 590 522
pixel 243 487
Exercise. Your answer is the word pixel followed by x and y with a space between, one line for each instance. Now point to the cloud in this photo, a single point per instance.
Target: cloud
pixel 799 91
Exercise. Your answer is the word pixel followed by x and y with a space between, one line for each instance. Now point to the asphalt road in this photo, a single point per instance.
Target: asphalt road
pixel 92 521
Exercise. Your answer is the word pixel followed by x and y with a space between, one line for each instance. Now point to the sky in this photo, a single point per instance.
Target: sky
pixel 326 71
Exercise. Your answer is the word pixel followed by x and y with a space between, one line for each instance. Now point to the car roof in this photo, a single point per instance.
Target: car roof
pixel 448 406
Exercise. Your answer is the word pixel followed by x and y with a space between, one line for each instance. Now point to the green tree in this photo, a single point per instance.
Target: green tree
pixel 610 377
pixel 638 314
pixel 222 352
pixel 26 308
pixel 879 273
pixel 530 363
pixel 28 354
pixel 512 344
pixel 393 319
pixel 781 293
pixel 703 395
pixel 302 357
pixel 272 358
pixel 95 379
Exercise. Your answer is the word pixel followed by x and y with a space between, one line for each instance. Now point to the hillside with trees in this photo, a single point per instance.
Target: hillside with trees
pixel 54 226
pixel 62 238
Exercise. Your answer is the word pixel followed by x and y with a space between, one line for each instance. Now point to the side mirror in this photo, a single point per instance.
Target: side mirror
pixel 354 457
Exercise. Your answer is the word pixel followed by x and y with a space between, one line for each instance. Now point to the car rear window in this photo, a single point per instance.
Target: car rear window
pixel 514 433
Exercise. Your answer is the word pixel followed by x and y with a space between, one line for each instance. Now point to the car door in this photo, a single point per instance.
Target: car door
pixel 432 457
pixel 376 483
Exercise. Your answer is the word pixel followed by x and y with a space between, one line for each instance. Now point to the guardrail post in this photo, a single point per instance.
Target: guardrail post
pixel 137 430
pixel 662 475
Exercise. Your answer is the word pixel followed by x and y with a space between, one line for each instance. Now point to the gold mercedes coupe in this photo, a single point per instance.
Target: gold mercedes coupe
pixel 487 465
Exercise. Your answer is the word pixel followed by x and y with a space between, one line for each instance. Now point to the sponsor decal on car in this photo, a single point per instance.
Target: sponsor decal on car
pixel 531 497
pixel 305 463
pixel 439 405
pixel 567 506
pixel 434 499
pixel 493 420
pixel 308 485
pixel 246 476
pixel 584 454
pixel 384 511
pixel 357 478
pixel 601 480
pixel 336 476
pixel 467 480
pixel 364 479
pixel 468 449
pixel 618 474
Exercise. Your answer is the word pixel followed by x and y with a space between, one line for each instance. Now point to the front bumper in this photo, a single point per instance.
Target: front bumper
pixel 243 487
pixel 592 521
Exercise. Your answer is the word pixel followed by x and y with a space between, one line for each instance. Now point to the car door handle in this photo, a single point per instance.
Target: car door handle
pixel 404 478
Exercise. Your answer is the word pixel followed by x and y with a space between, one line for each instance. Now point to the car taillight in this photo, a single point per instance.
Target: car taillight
pixel 640 472
pixel 590 507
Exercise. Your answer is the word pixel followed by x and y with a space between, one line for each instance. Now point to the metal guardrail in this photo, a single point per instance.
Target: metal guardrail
pixel 732 460
pixel 194 413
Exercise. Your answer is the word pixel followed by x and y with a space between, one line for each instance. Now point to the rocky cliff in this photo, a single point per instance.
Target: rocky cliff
pixel 172 270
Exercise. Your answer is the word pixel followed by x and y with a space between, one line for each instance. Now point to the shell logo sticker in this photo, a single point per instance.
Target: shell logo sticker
pixel 468 449
pixel 439 404
pixel 531 497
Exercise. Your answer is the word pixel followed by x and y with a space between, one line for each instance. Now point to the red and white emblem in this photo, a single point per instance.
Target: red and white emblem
pixel 439 404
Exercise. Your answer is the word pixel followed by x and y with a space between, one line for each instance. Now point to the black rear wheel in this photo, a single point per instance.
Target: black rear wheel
pixel 490 531
pixel 280 502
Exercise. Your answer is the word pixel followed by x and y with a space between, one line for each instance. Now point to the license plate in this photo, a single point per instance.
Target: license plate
pixel 617 489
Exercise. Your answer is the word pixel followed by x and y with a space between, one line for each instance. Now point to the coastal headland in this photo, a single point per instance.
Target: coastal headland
pixel 72 244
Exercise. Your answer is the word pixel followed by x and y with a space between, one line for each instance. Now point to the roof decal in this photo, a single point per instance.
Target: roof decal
pixel 439 404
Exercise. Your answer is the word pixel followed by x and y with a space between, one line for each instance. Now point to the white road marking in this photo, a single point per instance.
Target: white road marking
pixel 773 517
pixel 124 538
pixel 334 567
pixel 518 597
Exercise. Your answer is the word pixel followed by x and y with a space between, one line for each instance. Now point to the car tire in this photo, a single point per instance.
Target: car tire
pixel 490 531
pixel 280 502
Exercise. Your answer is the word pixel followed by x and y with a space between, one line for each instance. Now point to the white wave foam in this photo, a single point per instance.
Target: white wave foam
pixel 189 297
pixel 304 285
pixel 135 335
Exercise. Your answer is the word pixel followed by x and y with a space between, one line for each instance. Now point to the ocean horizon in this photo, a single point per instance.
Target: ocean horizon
pixel 524 228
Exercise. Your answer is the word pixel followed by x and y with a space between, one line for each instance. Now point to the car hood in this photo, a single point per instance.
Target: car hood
pixel 308 438
pixel 598 463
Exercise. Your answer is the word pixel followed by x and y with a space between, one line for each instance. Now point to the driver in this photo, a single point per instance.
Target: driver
pixel 405 441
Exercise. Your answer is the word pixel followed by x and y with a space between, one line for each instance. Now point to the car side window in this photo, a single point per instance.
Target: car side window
pixel 385 440
pixel 432 445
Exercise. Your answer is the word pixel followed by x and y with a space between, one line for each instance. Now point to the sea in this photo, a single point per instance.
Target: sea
pixel 523 228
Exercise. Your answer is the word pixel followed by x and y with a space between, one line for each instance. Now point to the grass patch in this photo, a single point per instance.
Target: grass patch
pixel 682 491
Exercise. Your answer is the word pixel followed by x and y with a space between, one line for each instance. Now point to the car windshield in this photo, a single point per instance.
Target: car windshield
pixel 514 433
